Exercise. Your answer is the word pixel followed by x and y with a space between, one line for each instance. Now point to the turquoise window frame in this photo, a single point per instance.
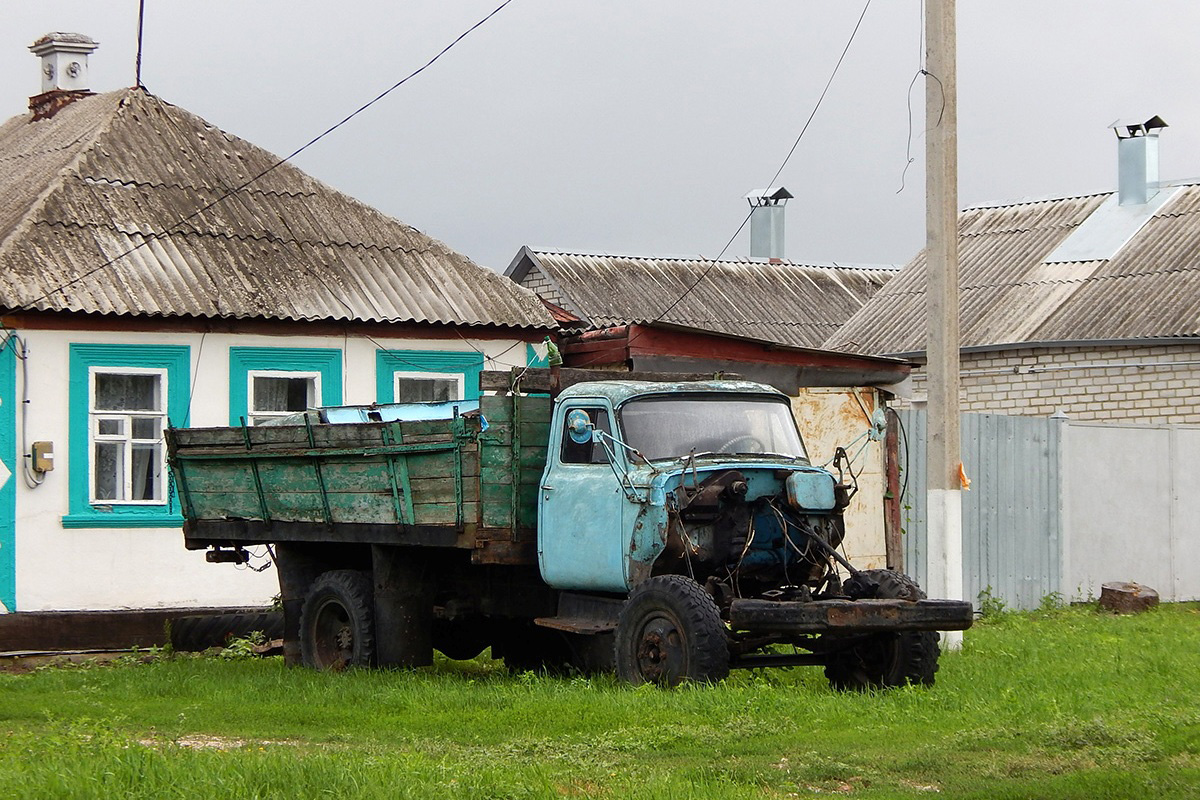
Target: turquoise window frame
pixel 325 361
pixel 389 362
pixel 175 360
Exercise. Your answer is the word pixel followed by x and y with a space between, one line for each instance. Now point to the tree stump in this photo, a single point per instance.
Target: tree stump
pixel 1127 598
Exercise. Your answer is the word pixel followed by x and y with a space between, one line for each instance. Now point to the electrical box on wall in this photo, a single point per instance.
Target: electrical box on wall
pixel 42 454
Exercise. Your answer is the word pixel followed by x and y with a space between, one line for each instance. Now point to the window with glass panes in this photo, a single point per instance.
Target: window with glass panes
pixel 415 376
pixel 127 412
pixel 425 387
pixel 278 393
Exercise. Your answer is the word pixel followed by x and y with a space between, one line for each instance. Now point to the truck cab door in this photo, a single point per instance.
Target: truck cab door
pixel 582 508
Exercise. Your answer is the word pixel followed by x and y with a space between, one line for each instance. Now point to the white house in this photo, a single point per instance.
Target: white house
pixel 156 271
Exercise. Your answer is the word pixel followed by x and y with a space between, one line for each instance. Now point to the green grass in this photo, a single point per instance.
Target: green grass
pixel 1058 704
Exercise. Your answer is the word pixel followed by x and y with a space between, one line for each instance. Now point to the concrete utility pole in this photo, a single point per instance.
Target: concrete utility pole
pixel 944 485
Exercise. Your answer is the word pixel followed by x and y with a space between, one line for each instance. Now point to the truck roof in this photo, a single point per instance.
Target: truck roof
pixel 618 391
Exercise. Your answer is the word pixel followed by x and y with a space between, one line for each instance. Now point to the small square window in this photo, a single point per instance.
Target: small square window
pixel 147 428
pixel 110 427
pixel 278 394
pixel 428 387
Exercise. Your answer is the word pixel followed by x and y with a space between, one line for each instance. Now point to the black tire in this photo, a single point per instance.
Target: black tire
pixel 337 622
pixel 669 631
pixel 196 632
pixel 887 659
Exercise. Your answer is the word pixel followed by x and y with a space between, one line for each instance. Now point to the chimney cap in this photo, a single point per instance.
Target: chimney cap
pixel 768 196
pixel 1127 128
pixel 57 40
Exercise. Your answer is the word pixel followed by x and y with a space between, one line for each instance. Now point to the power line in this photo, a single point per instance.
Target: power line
pixel 824 91
pixel 786 158
pixel 166 231
pixel 779 171
pixel 707 269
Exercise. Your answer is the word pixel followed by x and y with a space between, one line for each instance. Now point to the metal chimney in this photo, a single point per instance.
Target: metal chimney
pixel 766 221
pixel 1137 160
pixel 64 71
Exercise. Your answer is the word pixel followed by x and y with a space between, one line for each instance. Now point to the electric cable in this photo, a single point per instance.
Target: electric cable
pixel 824 91
pixel 908 156
pixel 152 236
pixel 837 66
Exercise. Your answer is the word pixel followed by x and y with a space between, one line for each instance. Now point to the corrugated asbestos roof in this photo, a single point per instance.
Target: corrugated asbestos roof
pixel 1149 289
pixel 786 302
pixel 112 171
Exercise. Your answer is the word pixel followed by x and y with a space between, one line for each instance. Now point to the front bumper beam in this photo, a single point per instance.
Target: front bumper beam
pixel 849 616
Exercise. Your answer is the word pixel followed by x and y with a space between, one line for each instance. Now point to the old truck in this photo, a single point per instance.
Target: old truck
pixel 670 530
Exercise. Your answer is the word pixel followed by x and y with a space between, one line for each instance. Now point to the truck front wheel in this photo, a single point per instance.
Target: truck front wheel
pixel 337 622
pixel 670 630
pixel 886 659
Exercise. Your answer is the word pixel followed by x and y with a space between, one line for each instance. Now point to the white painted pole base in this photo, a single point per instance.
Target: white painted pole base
pixel 945 553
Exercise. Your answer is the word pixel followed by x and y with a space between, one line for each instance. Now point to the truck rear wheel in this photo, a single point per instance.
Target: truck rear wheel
pixel 887 659
pixel 670 630
pixel 337 623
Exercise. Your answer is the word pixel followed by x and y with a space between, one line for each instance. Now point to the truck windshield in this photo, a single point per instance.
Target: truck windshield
pixel 671 427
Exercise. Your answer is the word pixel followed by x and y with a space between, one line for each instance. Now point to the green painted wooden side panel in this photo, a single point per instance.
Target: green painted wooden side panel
pixel 506 505
pixel 435 472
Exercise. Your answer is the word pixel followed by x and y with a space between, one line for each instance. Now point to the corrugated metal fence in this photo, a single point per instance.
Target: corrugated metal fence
pixel 1060 507
pixel 1012 525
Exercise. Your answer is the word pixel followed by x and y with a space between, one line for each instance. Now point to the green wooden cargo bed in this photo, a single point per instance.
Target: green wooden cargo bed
pixel 462 483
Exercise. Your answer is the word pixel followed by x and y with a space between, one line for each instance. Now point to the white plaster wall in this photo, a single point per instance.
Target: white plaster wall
pixel 116 568
pixel 1130 509
pixel 827 419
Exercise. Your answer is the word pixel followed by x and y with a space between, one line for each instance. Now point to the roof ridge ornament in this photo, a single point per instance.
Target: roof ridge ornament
pixel 64 71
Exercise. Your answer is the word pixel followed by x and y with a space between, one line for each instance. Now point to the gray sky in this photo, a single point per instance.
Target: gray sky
pixel 636 127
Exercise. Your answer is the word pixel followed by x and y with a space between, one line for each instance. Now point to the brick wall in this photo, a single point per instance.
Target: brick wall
pixel 536 281
pixel 1130 384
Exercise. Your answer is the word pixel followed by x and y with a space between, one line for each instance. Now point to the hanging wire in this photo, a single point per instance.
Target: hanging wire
pixel 804 129
pixel 152 236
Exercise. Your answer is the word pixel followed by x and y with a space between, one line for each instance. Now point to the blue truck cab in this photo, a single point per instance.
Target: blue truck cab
pixel 625 472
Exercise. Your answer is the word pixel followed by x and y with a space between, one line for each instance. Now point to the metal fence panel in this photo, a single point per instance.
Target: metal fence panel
pixel 1012 534
pixel 1132 508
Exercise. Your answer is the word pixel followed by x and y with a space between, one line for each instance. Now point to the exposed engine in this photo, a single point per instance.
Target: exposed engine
pixel 746 533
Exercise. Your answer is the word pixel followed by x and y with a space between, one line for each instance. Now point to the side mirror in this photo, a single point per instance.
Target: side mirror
pixel 879 425
pixel 579 426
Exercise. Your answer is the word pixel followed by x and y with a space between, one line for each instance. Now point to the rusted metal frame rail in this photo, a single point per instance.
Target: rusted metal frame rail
pixel 850 616
pixel 539 379
pixel 202 534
